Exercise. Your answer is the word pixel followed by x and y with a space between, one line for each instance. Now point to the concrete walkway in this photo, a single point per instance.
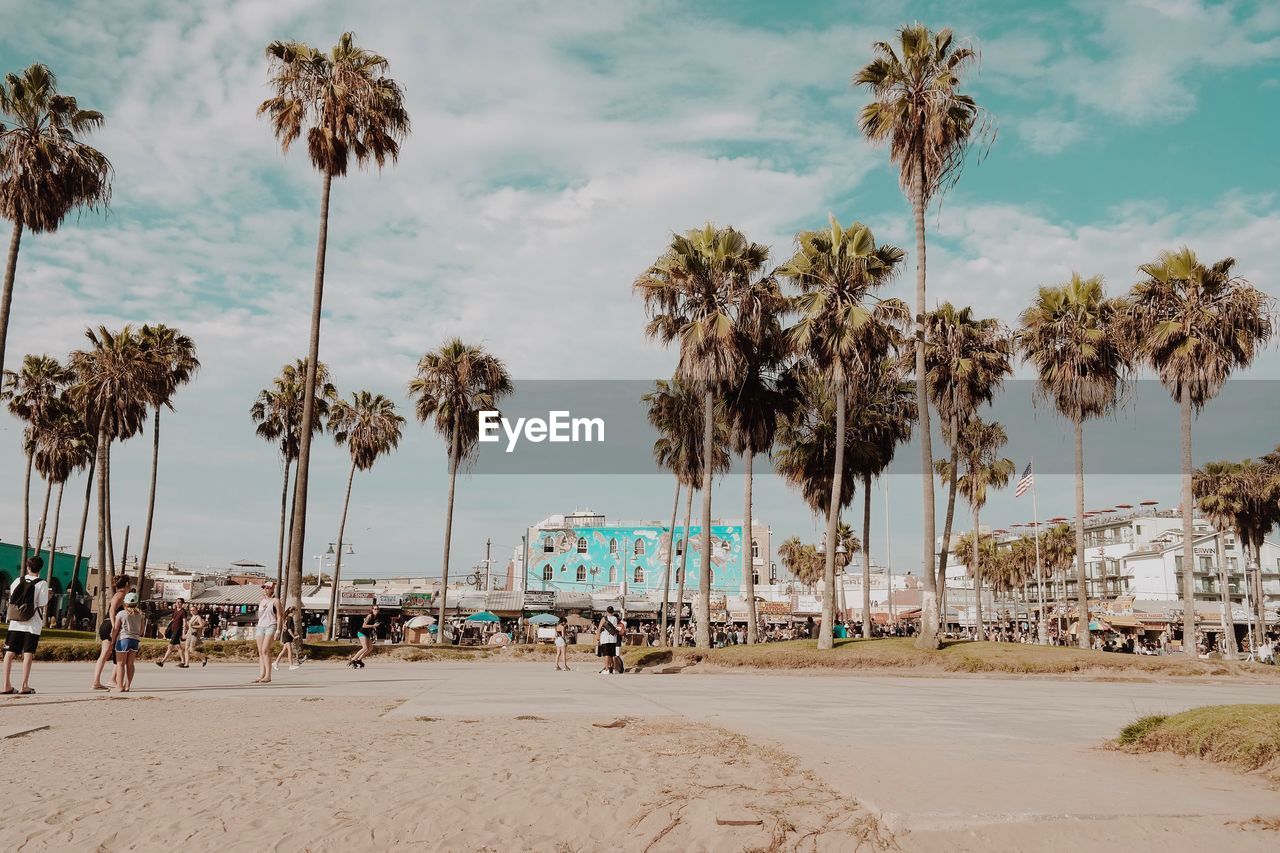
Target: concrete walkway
pixel 926 753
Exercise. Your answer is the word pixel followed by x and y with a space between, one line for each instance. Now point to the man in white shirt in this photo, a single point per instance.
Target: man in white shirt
pixel 26 618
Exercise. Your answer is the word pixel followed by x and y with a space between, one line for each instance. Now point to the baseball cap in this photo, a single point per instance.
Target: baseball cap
pixel 131 598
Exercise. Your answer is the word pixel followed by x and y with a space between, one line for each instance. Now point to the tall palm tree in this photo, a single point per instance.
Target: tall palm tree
pixel 842 331
pixel 756 401
pixel 999 568
pixel 967 359
pixel 803 561
pixel 278 413
pixel 1194 324
pixel 1255 488
pixel 173 364
pixel 690 295
pixel 1074 336
pixel 33 395
pixel 369 427
pixel 979 443
pixel 1214 488
pixel 112 389
pixel 454 384
pixel 63 447
pixel 918 110
pixel 350 110
pixel 46 171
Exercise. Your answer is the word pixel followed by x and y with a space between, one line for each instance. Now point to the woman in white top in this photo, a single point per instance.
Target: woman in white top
pixel 562 651
pixel 126 638
pixel 269 620
pixel 195 632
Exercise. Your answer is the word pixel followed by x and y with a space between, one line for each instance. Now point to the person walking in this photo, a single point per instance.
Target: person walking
pixel 195 633
pixel 105 630
pixel 176 634
pixel 367 634
pixel 562 648
pixel 28 598
pixel 607 637
pixel 126 638
pixel 268 628
pixel 286 641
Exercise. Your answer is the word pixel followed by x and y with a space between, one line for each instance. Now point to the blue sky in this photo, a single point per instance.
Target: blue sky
pixel 555 147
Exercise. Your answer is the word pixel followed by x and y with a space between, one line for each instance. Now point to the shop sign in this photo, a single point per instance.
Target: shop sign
pixel 539 599
pixel 388 599
pixel 356 598
pixel 415 600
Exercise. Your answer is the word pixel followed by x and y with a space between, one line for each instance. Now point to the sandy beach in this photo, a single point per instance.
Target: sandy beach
pixel 319 774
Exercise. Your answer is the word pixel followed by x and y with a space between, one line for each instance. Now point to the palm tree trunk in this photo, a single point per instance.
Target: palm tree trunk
pixel 1228 622
pixel 284 509
pixel 704 574
pixel 748 549
pixel 299 526
pixel 337 561
pixel 53 543
pixel 684 563
pixel 26 506
pixel 666 575
pixel 44 516
pixel 1259 598
pixel 151 499
pixel 977 572
pixel 106 568
pixel 1188 546
pixel 288 545
pixel 84 524
pixel 111 539
pixel 947 526
pixel 448 531
pixel 928 638
pixel 1082 580
pixel 10 268
pixel 825 636
pixel 866 555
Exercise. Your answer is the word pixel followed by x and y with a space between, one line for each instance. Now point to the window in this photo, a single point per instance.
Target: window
pixel 755 576
pixel 639 547
pixel 613 574
pixel 582 544
pixel 546 572
pixel 613 546
pixel 1206 564
pixel 582 573
pixel 679 547
pixel 755 549
pixel 679 575
pixel 639 574
pixel 1233 564
pixel 1137 528
pixel 548 546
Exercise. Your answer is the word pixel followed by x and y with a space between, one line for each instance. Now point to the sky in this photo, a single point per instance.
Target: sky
pixel 555 147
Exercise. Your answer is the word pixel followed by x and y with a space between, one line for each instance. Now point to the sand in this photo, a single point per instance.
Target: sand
pixel 319 774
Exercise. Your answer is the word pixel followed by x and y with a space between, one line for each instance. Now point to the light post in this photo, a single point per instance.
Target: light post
pixel 842 561
pixel 333 598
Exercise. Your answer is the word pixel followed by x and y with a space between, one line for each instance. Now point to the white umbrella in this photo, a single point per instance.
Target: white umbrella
pixel 420 622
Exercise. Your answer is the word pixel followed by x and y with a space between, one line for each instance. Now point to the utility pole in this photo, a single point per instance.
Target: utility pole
pixel 488 574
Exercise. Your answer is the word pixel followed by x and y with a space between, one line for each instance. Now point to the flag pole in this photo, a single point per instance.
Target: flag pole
pixel 1042 628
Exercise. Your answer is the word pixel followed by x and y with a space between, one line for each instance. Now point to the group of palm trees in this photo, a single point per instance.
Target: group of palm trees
pixel 828 390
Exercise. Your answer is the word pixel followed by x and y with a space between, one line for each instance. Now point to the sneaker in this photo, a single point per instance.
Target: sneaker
pixel 296 666
pixel 160 663
pixel 275 665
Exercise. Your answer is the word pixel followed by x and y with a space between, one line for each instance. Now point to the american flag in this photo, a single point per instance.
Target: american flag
pixel 1028 480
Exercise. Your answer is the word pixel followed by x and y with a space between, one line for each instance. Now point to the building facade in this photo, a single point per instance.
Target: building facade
pixel 584 551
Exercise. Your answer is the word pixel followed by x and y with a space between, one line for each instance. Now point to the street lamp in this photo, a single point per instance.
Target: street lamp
pixel 841 563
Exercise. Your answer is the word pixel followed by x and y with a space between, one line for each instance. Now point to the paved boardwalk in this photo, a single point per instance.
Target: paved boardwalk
pixel 927 753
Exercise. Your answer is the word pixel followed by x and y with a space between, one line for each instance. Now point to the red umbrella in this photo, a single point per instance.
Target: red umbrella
pixel 1150 503
pixel 1124 506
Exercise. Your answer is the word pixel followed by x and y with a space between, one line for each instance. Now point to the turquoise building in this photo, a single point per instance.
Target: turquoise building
pixel 584 551
pixel 11 568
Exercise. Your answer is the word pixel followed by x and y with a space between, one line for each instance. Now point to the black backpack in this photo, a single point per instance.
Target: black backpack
pixel 22 603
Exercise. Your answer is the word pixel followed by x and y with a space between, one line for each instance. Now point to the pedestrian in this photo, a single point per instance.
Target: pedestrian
pixel 126 638
pixel 105 630
pixel 607 640
pixel 195 633
pixel 268 629
pixel 28 598
pixel 286 640
pixel 176 634
pixel 367 634
pixel 562 650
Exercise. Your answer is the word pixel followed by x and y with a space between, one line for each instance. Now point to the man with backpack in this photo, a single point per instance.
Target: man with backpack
pixel 28 598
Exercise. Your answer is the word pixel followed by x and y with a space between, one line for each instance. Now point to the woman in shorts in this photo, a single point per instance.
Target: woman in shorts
pixel 267 630
pixel 126 637
pixel 368 633
pixel 286 640
pixel 562 649
pixel 195 633
pixel 105 632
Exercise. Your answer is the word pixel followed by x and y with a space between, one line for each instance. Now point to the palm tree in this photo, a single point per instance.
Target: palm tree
pixel 1213 487
pixel 803 561
pixel 1193 324
pixel 350 110
pixel 454 384
pixel 979 443
pixel 690 295
pixel 33 394
pixel 928 125
pixel 174 363
pixel 1255 487
pixel 842 331
pixel 1072 334
pixel 967 359
pixel 113 382
pixel 757 400
pixel 369 427
pixel 278 413
pixel 998 567
pixel 46 171
pixel 63 447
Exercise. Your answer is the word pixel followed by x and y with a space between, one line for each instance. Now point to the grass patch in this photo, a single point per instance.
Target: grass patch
pixel 1243 737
